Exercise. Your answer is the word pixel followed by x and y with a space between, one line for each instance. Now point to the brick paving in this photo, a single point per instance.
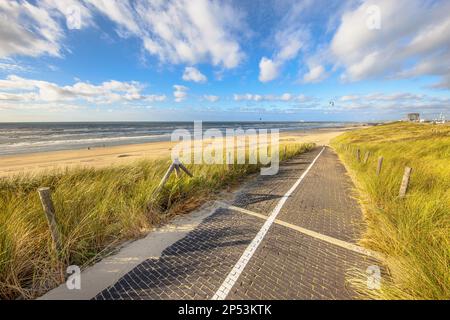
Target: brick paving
pixel 287 264
pixel 263 194
pixel 194 267
pixel 324 202
pixel 291 265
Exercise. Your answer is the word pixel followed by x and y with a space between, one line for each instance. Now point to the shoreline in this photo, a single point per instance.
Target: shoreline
pixel 98 157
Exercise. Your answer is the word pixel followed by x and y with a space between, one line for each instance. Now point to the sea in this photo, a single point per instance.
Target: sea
pixel 22 138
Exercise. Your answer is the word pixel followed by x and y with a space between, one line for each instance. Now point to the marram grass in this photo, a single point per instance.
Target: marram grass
pixel 413 232
pixel 96 209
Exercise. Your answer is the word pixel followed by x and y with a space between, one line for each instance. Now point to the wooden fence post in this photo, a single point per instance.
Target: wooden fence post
pixel 175 165
pixel 285 149
pixel 166 176
pixel 182 167
pixel 49 209
pixel 405 182
pixel 366 157
pixel 358 155
pixel 380 163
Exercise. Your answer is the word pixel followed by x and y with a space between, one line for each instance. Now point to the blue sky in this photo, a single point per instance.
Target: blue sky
pixel 94 60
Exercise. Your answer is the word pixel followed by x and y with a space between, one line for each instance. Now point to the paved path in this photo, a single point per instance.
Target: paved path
pixel 275 241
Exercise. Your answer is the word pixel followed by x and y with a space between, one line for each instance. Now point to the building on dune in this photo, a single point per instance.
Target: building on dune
pixel 413 117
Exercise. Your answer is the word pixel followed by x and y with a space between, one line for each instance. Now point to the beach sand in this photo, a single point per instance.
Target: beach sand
pixel 114 155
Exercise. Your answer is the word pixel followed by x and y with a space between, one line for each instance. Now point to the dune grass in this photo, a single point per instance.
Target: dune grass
pixel 413 232
pixel 96 209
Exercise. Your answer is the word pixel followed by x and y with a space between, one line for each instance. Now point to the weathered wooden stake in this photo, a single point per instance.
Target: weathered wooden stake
pixel 358 155
pixel 177 171
pixel 182 167
pixel 166 176
pixel 285 151
pixel 175 165
pixel 366 157
pixel 380 163
pixel 49 209
pixel 405 182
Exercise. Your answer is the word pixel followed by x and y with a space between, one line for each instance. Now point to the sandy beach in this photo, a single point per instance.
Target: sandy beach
pixel 114 155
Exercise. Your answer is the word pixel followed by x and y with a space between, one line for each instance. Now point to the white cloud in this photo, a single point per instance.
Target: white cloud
pixel 414 40
pixel 175 31
pixel 180 93
pixel 211 98
pixel 35 29
pixel 15 88
pixel 288 40
pixel 394 103
pixel 63 10
pixel 121 13
pixel 10 65
pixel 349 98
pixel 193 74
pixel 47 106
pixel 179 31
pixel 286 97
pixel 26 29
pixel 268 70
pixel 289 43
pixel 316 74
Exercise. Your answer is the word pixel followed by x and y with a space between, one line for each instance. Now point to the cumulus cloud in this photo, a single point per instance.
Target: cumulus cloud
pixel 15 88
pixel 35 29
pixel 413 40
pixel 175 31
pixel 211 98
pixel 268 70
pixel 26 29
pixel 180 93
pixel 316 74
pixel 179 31
pixel 193 74
pixel 288 40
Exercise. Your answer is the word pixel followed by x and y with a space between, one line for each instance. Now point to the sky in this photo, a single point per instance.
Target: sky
pixel 184 60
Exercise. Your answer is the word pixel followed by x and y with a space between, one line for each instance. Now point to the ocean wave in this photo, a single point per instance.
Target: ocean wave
pixel 79 141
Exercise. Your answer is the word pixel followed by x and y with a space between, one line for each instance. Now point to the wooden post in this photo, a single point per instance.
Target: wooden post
pixel 366 157
pixel 49 209
pixel 285 152
pixel 182 167
pixel 177 171
pixel 177 166
pixel 405 182
pixel 166 176
pixel 380 163
pixel 358 155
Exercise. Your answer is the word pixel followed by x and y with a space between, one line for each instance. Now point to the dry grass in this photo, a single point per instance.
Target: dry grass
pixel 413 232
pixel 96 210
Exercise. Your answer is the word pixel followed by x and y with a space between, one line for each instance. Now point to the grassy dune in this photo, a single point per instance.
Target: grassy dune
pixel 96 210
pixel 413 232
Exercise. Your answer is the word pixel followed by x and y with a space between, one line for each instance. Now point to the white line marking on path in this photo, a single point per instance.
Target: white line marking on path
pixel 341 243
pixel 234 274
